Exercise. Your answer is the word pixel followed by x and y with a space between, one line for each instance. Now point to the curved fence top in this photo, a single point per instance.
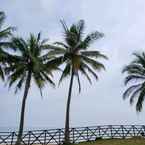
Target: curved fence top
pixel 78 134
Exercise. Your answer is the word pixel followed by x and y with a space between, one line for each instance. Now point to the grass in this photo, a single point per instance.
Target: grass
pixel 131 141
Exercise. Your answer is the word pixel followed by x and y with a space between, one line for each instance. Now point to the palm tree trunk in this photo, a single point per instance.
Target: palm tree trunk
pixel 20 132
pixel 66 139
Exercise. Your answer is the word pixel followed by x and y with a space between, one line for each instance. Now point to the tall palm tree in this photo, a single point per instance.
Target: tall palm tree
pixel 74 53
pixel 5 33
pixel 29 62
pixel 136 80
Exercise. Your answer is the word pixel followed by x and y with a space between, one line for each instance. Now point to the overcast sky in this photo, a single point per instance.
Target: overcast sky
pixel 122 22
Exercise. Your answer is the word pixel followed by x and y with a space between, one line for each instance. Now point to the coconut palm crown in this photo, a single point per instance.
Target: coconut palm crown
pixel 135 80
pixel 78 60
pixel 5 33
pixel 75 54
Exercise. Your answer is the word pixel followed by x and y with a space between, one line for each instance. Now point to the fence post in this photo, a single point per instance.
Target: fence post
pixel 143 132
pixel 143 128
pixel 110 126
pixel 99 131
pixel 45 131
pixel 122 128
pixel 87 133
pixel 73 135
pixel 13 133
pixel 29 137
pixel 59 136
pixel 133 129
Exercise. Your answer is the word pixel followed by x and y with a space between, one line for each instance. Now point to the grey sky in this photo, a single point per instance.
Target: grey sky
pixel 122 22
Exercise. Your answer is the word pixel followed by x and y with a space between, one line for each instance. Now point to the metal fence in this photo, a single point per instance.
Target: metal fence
pixel 56 136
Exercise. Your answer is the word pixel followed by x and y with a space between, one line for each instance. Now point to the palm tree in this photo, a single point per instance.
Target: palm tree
pixel 77 59
pixel 29 62
pixel 136 80
pixel 4 34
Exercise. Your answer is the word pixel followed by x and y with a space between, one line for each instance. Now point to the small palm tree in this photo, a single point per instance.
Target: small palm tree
pixel 136 80
pixel 4 34
pixel 29 62
pixel 78 59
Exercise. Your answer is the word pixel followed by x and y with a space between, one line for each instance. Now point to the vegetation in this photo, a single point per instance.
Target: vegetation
pixel 35 60
pixel 5 33
pixel 131 141
pixel 30 61
pixel 77 59
pixel 136 80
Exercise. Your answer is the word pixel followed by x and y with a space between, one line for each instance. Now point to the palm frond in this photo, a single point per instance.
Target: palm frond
pixel 15 76
pixel 90 71
pixel 64 26
pixel 79 83
pixel 5 44
pixel 19 44
pixel 21 81
pixel 89 40
pixel 136 69
pixel 39 81
pixel 65 72
pixel 139 104
pixel 56 52
pixel 80 28
pixel 95 64
pixel 82 70
pixel 130 90
pixel 39 37
pixel 54 63
pixel 61 44
pixel 134 95
pixel 2 18
pixel 48 79
pixel 140 58
pixel 5 33
pixel 95 54
pixel 131 78
pixel 1 73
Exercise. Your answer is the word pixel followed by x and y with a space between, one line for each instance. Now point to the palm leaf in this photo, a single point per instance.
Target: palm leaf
pixel 65 72
pixel 1 73
pixel 20 82
pixel 95 64
pixel 61 44
pixel 141 98
pixel 55 52
pixel 131 89
pixel 95 54
pixel 19 44
pixel 48 79
pixel 54 63
pixel 89 40
pixel 133 77
pixel 80 28
pixel 5 33
pixel 2 18
pixel 64 26
pixel 134 95
pixel 90 71
pixel 82 70
pixel 134 69
pixel 79 83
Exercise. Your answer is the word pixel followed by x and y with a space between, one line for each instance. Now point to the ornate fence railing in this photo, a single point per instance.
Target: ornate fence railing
pixel 56 136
